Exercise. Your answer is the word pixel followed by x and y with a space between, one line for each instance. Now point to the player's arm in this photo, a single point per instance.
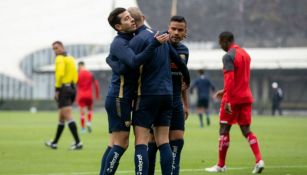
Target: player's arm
pixel 127 56
pixel 228 81
pixel 181 65
pixel 96 86
pixel 185 100
pixel 116 66
pixel 193 86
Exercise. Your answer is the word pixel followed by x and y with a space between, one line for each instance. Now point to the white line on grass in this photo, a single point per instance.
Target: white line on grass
pixel 181 170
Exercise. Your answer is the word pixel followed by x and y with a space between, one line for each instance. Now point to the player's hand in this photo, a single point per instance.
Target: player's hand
pixel 227 108
pixel 56 96
pixel 219 94
pixel 184 86
pixel 163 38
pixel 186 112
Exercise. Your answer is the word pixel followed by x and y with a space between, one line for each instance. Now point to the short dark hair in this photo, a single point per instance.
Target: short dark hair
pixel 201 71
pixel 113 16
pixel 57 42
pixel 177 18
pixel 81 63
pixel 227 35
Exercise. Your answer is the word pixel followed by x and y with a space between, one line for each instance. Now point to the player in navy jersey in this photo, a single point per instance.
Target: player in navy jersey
pixel 203 86
pixel 177 30
pixel 119 99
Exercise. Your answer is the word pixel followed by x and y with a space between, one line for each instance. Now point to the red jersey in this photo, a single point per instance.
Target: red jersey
pixel 236 68
pixel 85 85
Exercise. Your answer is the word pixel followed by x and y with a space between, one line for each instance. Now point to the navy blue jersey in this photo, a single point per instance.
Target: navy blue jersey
pixel 183 52
pixel 155 75
pixel 203 86
pixel 123 83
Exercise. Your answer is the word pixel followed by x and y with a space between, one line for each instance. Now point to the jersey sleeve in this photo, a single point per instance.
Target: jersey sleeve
pixel 228 64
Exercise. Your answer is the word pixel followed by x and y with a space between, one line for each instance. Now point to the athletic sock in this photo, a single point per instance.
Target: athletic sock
pixel 166 158
pixel 200 115
pixel 104 159
pixel 113 158
pixel 59 131
pixel 73 129
pixel 141 159
pixel 152 152
pixel 223 147
pixel 253 142
pixel 176 146
pixel 208 118
pixel 89 116
pixel 82 120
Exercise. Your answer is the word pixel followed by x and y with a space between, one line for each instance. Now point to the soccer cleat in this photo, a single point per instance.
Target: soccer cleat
pixel 89 128
pixel 76 146
pixel 216 169
pixel 258 167
pixel 51 145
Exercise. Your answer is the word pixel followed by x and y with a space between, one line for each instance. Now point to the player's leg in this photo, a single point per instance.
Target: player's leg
pixel 161 132
pixel 61 125
pixel 119 125
pixel 152 152
pixel 206 110
pixel 200 111
pixel 82 116
pixel 244 120
pixel 67 112
pixel 106 153
pixel 226 120
pixel 143 117
pixel 90 113
pixel 177 135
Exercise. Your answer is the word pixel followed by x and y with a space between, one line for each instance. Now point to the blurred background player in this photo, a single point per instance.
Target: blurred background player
pixel 236 106
pixel 86 82
pixel 276 98
pixel 66 77
pixel 203 86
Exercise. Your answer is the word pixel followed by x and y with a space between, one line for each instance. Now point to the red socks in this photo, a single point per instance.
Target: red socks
pixel 223 147
pixel 82 119
pixel 89 116
pixel 253 142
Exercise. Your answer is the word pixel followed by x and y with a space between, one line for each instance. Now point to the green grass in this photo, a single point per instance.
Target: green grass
pixel 283 144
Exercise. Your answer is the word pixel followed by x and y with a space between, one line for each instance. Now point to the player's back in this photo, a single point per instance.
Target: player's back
pixel 203 85
pixel 85 83
pixel 241 60
pixel 155 74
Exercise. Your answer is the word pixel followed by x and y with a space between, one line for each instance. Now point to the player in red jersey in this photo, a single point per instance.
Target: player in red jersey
pixel 237 101
pixel 85 95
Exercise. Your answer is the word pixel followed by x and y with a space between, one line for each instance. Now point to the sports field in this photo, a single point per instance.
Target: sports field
pixel 283 143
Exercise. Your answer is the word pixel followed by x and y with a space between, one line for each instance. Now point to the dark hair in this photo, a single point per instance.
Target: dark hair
pixel 57 42
pixel 81 63
pixel 113 17
pixel 178 19
pixel 227 35
pixel 201 71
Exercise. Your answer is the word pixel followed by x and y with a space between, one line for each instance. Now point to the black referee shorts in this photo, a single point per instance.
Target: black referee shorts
pixel 67 95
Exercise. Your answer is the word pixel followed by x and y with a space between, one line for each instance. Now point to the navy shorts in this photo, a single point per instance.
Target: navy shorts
pixel 203 102
pixel 153 110
pixel 177 121
pixel 119 113
pixel 67 96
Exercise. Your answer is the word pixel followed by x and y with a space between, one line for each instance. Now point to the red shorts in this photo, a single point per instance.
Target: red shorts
pixel 85 101
pixel 241 114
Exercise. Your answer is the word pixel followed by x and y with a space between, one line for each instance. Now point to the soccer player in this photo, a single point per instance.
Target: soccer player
pixel 154 102
pixel 203 86
pixel 86 82
pixel 66 77
pixel 276 98
pixel 177 30
pixel 123 84
pixel 237 101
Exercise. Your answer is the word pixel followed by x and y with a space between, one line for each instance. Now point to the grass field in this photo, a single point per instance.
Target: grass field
pixel 283 144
